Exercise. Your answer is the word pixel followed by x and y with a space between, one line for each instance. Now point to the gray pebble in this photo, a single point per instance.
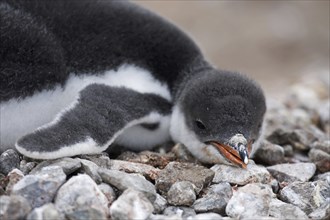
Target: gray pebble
pixel 131 204
pixel 322 145
pixel 269 154
pixel 41 187
pixel 321 159
pixel 102 160
pixel 235 175
pixel 321 213
pixel 323 176
pixel 288 150
pixel 108 191
pixel 47 211
pixel 179 212
pixel 181 193
pixel 26 167
pixel 86 213
pixel 13 207
pixel 69 165
pixel 160 204
pixel 204 216
pixel 9 160
pixel 13 176
pixel 90 168
pixel 292 172
pixel 282 210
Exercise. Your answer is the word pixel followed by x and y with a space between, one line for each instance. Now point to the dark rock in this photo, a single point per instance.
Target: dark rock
pixel 322 145
pixel 179 212
pixel 282 210
pixel 160 204
pixel 269 154
pixel 123 181
pixel 90 168
pixel 321 159
pixel 9 160
pixel 181 193
pixel 288 150
pixel 174 172
pixel 292 172
pixel 47 211
pixel 13 207
pixel 14 176
pixel 102 160
pixel 26 167
pixel 41 187
pixel 81 196
pixel 69 165
pixel 251 201
pixel 235 175
pixel 131 204
pixel 307 196
pixel 215 200
pixel 182 154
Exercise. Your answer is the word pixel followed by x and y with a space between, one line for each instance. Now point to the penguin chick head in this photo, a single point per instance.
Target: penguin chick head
pixel 219 116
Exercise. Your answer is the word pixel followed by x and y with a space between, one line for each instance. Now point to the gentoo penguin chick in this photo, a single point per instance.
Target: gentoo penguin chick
pixel 78 76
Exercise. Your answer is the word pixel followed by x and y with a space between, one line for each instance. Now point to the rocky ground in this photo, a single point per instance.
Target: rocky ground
pixel 288 179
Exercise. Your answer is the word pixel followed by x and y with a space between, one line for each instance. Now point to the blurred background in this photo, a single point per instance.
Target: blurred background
pixel 274 42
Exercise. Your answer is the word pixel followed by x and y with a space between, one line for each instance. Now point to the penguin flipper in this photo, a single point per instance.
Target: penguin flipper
pixel 93 122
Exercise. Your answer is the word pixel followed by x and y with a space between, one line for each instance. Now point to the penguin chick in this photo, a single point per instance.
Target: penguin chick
pixel 218 116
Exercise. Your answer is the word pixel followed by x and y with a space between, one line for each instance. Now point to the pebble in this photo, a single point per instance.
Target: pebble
pixel 80 196
pixel 321 159
pixel 131 204
pixel 26 167
pixel 288 150
pixel 308 196
pixel 14 207
pixel 41 187
pixel 13 177
pixel 9 160
pixel 200 176
pixel 181 193
pixel 102 160
pixel 323 176
pixel 250 201
pixel 69 165
pixel 292 172
pixel 322 145
pixel 215 200
pixel 47 211
pixel 123 181
pixel 160 204
pixel 108 191
pixel 204 216
pixel 90 168
pixel 86 213
pixel 269 154
pixel 323 212
pixel 181 212
pixel 282 210
pixel 235 175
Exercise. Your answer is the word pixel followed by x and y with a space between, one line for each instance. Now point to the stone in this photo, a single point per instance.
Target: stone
pixel 69 165
pixel 179 211
pixel 131 167
pixel 182 154
pixel 13 176
pixel 9 160
pixel 47 211
pixel 90 168
pixel 323 112
pixel 108 191
pixel 26 167
pixel 235 175
pixel 323 212
pixel 308 196
pixel 14 207
pixel 292 172
pixel 323 176
pixel 163 217
pixel 269 154
pixel 123 181
pixel 81 196
pixel 102 160
pixel 282 210
pixel 86 213
pixel 288 150
pixel 41 187
pixel 200 176
pixel 181 194
pixel 215 200
pixel 322 145
pixel 321 159
pixel 160 204
pixel 208 216
pixel 250 201
pixel 131 204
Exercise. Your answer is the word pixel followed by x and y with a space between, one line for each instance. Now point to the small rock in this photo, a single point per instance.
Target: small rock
pixel 47 211
pixel 269 153
pixel 108 191
pixel 132 167
pixel 179 212
pixel 174 172
pixel 321 159
pixel 182 154
pixel 90 168
pixel 40 188
pixel 13 207
pixel 235 175
pixel 323 212
pixel 163 217
pixel 181 193
pixel 215 200
pixel 307 196
pixel 123 181
pixel 81 196
pixel 251 201
pixel 86 213
pixel 160 204
pixel 9 160
pixel 323 176
pixel 323 111
pixel 26 167
pixel 292 172
pixel 69 165
pixel 14 176
pixel 102 160
pixel 282 210
pixel 132 204
pixel 322 145
pixel 208 216
pixel 288 150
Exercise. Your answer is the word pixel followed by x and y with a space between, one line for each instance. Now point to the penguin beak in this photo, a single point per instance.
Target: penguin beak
pixel 237 150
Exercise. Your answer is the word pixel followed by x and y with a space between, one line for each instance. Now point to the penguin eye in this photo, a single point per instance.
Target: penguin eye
pixel 200 124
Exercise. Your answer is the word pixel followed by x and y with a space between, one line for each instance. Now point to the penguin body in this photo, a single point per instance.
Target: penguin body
pixel 77 76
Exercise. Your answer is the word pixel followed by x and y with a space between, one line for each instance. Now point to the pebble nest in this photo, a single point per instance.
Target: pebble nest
pixel 288 178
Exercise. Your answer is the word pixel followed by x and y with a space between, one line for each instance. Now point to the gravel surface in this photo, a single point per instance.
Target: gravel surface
pixel 289 177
